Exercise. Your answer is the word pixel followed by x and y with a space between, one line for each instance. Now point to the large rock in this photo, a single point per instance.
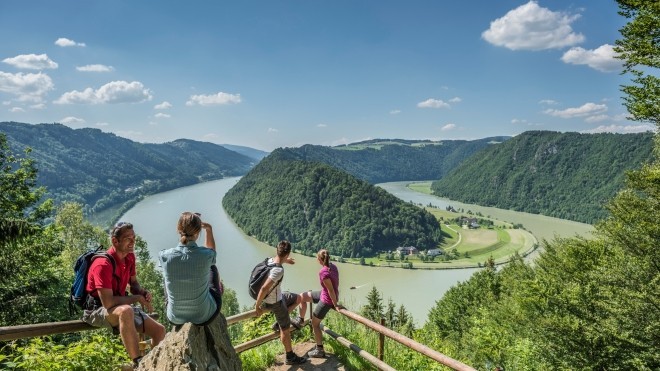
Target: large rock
pixel 194 348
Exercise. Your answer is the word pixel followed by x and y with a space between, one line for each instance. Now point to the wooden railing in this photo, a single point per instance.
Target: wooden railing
pixel 381 329
pixel 52 328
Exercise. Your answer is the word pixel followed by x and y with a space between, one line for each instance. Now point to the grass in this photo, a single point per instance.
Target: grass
pixel 421 187
pixel 498 242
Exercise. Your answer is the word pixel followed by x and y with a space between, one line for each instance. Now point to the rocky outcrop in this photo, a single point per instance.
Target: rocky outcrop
pixel 196 348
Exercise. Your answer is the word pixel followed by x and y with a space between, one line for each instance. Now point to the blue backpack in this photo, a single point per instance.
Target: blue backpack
pixel 78 296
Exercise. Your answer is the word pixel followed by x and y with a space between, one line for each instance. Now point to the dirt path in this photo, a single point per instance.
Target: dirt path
pixel 330 362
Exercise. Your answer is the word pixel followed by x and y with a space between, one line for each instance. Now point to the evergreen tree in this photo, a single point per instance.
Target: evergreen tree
pixel 390 314
pixel 373 310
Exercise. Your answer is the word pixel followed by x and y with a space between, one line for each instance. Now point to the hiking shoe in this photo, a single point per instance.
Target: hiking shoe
pixel 275 326
pixel 136 362
pixel 297 322
pixel 316 353
pixel 295 360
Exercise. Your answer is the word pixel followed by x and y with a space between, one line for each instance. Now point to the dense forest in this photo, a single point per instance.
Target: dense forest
pixel 379 160
pixel 565 175
pixel 100 170
pixel 584 304
pixel 314 205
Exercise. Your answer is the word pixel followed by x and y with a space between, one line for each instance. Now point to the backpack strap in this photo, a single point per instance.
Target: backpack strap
pixel 278 282
pixel 97 301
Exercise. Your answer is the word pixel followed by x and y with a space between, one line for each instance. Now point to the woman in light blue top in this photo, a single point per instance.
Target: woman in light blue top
pixel 192 283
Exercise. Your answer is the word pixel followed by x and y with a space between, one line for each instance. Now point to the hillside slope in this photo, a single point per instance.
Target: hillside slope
pixel 100 170
pixel 379 160
pixel 565 175
pixel 317 206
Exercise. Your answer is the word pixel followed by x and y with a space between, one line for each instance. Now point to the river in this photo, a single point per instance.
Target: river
pixel 156 216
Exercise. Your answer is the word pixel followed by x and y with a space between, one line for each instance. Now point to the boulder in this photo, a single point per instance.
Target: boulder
pixel 194 347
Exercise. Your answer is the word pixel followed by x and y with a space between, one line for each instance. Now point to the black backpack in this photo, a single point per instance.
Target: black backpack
pixel 78 296
pixel 259 274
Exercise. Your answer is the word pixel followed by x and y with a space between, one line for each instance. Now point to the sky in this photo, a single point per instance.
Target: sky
pixel 269 74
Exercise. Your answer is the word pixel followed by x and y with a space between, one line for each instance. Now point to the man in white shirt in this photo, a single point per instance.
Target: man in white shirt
pixel 271 298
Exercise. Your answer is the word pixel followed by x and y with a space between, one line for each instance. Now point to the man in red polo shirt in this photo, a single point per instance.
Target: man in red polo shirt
pixel 108 304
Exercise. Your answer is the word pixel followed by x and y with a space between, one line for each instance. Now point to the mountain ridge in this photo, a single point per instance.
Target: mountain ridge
pixel 101 170
pixel 564 175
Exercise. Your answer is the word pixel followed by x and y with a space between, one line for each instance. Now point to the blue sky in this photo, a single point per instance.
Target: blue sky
pixel 270 74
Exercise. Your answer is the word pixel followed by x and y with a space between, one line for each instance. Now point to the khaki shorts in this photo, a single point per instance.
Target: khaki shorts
pixel 98 318
pixel 281 309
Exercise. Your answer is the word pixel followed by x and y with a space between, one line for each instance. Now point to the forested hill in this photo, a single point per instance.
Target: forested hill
pixel 565 175
pixel 317 206
pixel 379 160
pixel 100 169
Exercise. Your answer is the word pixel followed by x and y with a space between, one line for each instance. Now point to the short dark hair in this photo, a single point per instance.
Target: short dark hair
pixel 119 229
pixel 283 248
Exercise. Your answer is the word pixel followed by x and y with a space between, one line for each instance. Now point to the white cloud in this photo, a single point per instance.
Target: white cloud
pixel 322 125
pixel 587 109
pixel 531 27
pixel 600 118
pixel 112 92
pixel 395 112
pixel 31 62
pixel 28 87
pixel 433 103
pixel 620 129
pixel 95 68
pixel 455 100
pixel 272 130
pixel 16 110
pixel 211 136
pixel 160 115
pixel 102 124
pixel 448 127
pixel 548 102
pixel 72 120
pixel 64 42
pixel 601 59
pixel 38 106
pixel 596 118
pixel 214 99
pixel 164 105
pixel 518 121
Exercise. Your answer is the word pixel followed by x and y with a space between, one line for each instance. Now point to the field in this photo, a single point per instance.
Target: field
pixel 463 247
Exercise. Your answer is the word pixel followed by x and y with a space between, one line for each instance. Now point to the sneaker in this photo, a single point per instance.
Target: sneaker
pixel 136 362
pixel 297 322
pixel 316 353
pixel 275 326
pixel 295 360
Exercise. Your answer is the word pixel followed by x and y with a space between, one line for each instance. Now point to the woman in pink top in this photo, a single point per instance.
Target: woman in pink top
pixel 326 299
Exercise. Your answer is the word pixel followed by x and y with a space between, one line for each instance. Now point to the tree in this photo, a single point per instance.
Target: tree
pixel 390 314
pixel 373 310
pixel 639 47
pixel 77 234
pixel 30 277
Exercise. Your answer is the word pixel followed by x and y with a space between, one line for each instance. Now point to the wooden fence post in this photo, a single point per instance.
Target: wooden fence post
pixel 381 341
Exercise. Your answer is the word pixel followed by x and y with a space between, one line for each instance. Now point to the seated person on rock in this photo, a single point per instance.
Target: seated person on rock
pixel 107 303
pixel 192 282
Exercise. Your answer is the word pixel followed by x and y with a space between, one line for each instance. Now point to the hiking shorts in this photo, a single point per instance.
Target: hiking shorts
pixel 98 318
pixel 321 309
pixel 316 296
pixel 281 309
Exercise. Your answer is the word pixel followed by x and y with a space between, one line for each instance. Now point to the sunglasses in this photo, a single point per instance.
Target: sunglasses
pixel 120 226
